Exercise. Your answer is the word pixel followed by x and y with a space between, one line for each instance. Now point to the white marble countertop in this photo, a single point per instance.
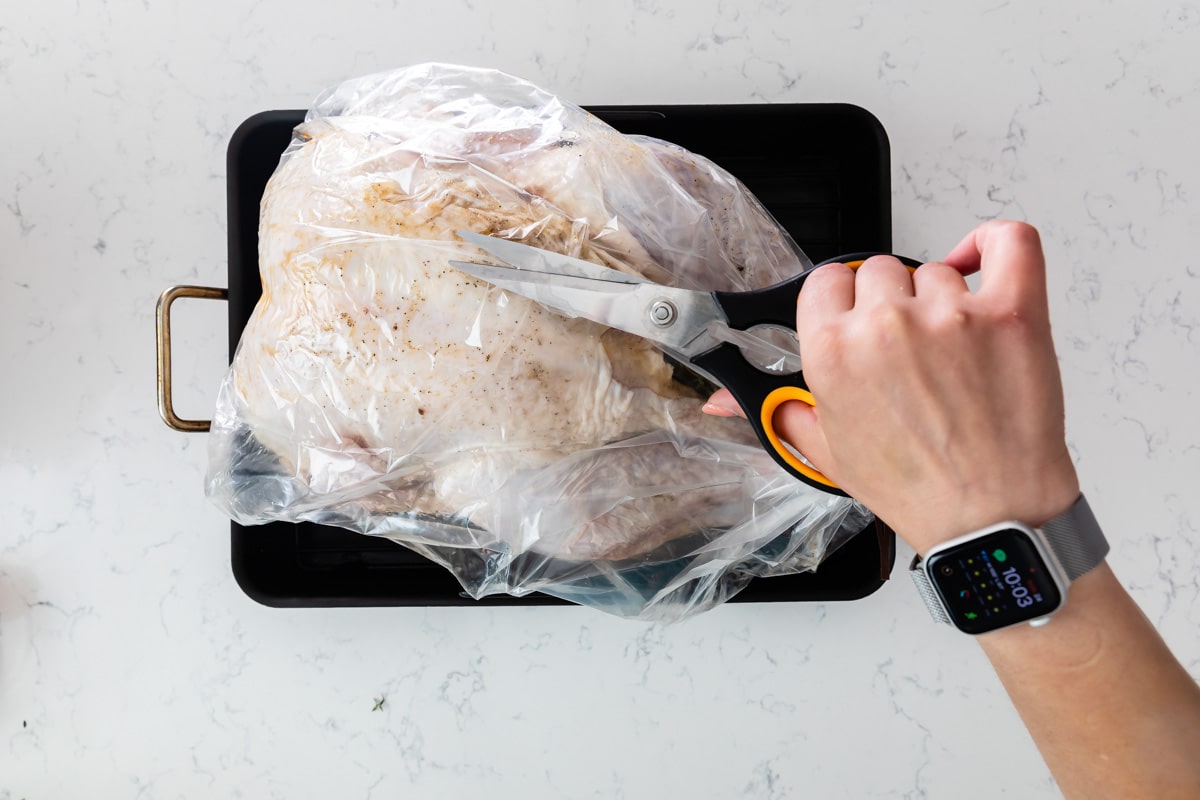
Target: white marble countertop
pixel 131 665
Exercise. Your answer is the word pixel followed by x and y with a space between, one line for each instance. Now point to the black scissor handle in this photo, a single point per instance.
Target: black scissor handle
pixel 761 393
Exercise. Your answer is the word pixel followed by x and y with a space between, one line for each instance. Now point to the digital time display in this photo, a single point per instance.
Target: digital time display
pixel 994 581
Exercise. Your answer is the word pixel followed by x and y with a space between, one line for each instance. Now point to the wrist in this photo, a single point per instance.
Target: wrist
pixel 1009 572
pixel 938 522
pixel 1083 618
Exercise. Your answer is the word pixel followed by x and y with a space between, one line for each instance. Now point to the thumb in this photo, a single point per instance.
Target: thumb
pixel 797 424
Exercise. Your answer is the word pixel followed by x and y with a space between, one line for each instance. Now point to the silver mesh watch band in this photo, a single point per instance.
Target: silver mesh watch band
pixel 925 588
pixel 1074 537
pixel 1076 540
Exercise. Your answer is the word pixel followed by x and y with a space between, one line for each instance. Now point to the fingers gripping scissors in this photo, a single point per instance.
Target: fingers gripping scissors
pixel 725 336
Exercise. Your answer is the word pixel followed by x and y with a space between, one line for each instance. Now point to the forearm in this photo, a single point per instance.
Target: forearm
pixel 1111 710
pixel 961 427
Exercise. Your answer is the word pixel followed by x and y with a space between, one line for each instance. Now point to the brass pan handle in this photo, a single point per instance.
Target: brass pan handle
pixel 166 409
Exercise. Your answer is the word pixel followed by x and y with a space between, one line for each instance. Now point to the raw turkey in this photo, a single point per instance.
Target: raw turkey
pixel 377 388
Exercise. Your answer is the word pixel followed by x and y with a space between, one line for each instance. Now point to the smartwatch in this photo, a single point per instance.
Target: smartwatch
pixel 1009 573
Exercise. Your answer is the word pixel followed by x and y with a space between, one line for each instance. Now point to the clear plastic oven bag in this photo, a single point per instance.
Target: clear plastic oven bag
pixel 378 389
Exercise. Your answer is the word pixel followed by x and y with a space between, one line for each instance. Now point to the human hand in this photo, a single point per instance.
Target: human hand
pixel 939 409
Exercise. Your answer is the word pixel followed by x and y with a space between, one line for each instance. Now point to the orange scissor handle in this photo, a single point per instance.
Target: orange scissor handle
pixel 910 264
pixel 767 417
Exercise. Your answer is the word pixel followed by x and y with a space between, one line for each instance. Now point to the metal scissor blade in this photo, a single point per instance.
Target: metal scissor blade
pixel 568 294
pixel 524 257
pixel 683 315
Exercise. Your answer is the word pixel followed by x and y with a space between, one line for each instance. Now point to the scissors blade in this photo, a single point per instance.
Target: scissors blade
pixel 524 257
pixel 684 315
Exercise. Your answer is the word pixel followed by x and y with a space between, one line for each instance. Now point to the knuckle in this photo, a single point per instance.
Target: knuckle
pixel 1014 321
pixel 878 260
pixel 887 320
pixel 824 345
pixel 879 263
pixel 828 337
pixel 831 270
pixel 1021 232
pixel 938 269
pixel 949 317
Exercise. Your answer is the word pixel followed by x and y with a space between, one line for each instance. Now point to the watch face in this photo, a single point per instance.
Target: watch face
pixel 993 581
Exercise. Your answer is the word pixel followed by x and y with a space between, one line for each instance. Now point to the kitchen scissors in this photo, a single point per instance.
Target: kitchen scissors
pixel 743 341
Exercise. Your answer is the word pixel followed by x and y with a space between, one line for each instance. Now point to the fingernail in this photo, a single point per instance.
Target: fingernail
pixel 719 410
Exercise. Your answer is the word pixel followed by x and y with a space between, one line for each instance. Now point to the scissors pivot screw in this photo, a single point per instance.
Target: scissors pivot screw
pixel 663 313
